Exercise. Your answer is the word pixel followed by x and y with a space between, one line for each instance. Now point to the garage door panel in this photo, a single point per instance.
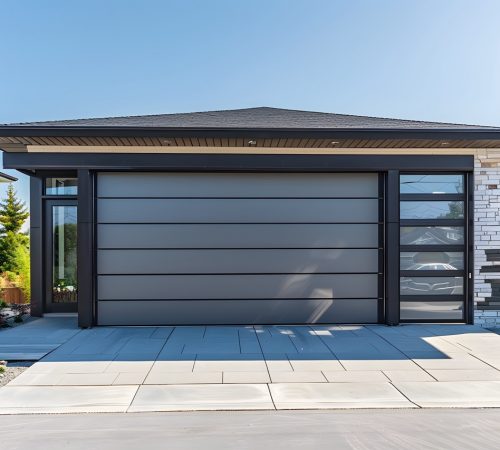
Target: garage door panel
pixel 237 185
pixel 237 210
pixel 237 248
pixel 206 287
pixel 223 312
pixel 237 236
pixel 237 261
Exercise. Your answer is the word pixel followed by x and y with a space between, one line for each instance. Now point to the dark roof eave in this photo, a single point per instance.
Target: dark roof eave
pixel 319 133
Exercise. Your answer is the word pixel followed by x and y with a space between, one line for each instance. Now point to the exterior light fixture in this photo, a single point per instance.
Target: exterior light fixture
pixel 166 142
pixel 445 143
pixel 334 142
pixel 252 142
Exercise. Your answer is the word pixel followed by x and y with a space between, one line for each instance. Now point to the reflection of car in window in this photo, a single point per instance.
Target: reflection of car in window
pixel 430 286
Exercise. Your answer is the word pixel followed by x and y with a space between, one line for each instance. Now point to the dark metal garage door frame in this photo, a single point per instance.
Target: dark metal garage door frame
pixel 88 164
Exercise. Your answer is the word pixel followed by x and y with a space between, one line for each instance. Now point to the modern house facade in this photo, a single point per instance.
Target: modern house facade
pixel 261 215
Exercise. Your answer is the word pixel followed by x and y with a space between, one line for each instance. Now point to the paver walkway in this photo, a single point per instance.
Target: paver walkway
pixel 33 340
pixel 119 369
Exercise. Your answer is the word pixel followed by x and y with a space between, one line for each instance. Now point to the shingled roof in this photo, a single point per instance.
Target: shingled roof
pixel 256 118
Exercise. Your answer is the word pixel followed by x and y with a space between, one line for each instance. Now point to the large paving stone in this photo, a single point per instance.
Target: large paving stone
pixel 202 397
pixel 337 395
pixel 450 394
pixel 65 399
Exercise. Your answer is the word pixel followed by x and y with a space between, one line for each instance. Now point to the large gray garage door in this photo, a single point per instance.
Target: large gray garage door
pixel 237 248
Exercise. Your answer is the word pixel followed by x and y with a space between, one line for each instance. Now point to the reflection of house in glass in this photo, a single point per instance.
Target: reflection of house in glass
pixel 431 235
pixel 64 254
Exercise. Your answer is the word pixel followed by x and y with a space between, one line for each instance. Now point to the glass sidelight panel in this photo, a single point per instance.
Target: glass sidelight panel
pixel 432 235
pixel 433 310
pixel 64 282
pixel 431 261
pixel 432 184
pixel 431 285
pixel 432 210
pixel 432 253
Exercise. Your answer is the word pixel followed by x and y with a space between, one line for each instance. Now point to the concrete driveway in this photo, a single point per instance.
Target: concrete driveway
pixel 417 429
pixel 132 369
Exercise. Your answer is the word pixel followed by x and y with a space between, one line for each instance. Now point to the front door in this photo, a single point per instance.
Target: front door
pixel 60 237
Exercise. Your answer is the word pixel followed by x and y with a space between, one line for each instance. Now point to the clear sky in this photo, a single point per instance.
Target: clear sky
pixel 433 60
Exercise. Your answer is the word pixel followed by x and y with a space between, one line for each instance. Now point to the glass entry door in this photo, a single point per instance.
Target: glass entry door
pixel 61 291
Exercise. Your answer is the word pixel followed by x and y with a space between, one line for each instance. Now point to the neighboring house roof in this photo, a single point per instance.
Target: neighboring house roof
pixel 257 118
pixel 5 178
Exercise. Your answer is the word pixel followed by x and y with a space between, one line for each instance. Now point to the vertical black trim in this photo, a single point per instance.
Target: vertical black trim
pixel 95 320
pixel 469 254
pixel 392 248
pixel 381 244
pixel 85 248
pixel 36 247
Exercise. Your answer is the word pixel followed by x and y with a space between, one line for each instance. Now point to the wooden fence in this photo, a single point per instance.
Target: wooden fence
pixel 12 295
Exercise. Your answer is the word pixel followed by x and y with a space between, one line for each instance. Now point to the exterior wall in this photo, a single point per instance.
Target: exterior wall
pixel 486 236
pixel 487 206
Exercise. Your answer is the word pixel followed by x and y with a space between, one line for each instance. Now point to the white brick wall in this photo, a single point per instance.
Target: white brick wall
pixel 486 229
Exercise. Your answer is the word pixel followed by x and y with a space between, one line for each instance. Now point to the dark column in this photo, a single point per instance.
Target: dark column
pixel 392 249
pixel 85 248
pixel 36 247
pixel 469 280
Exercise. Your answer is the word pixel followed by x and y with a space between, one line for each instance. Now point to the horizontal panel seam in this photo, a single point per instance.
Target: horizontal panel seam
pixel 231 248
pixel 236 273
pixel 232 299
pixel 235 198
pixel 238 223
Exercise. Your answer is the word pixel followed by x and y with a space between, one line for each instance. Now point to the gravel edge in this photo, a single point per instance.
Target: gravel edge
pixel 13 370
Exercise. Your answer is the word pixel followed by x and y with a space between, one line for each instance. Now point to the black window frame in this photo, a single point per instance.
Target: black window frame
pixel 464 248
pixel 45 175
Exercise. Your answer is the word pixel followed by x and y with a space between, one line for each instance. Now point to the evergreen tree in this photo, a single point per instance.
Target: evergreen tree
pixel 13 244
pixel 9 247
pixel 13 212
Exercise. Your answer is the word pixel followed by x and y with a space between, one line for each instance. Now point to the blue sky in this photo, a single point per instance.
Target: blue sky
pixel 420 59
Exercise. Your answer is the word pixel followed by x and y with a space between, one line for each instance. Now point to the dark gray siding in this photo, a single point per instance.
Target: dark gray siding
pixel 237 185
pixel 242 210
pixel 264 311
pixel 234 287
pixel 234 261
pixel 237 248
pixel 193 236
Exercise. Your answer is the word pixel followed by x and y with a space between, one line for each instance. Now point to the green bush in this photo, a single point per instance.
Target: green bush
pixel 23 267
pixel 11 276
pixel 14 245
